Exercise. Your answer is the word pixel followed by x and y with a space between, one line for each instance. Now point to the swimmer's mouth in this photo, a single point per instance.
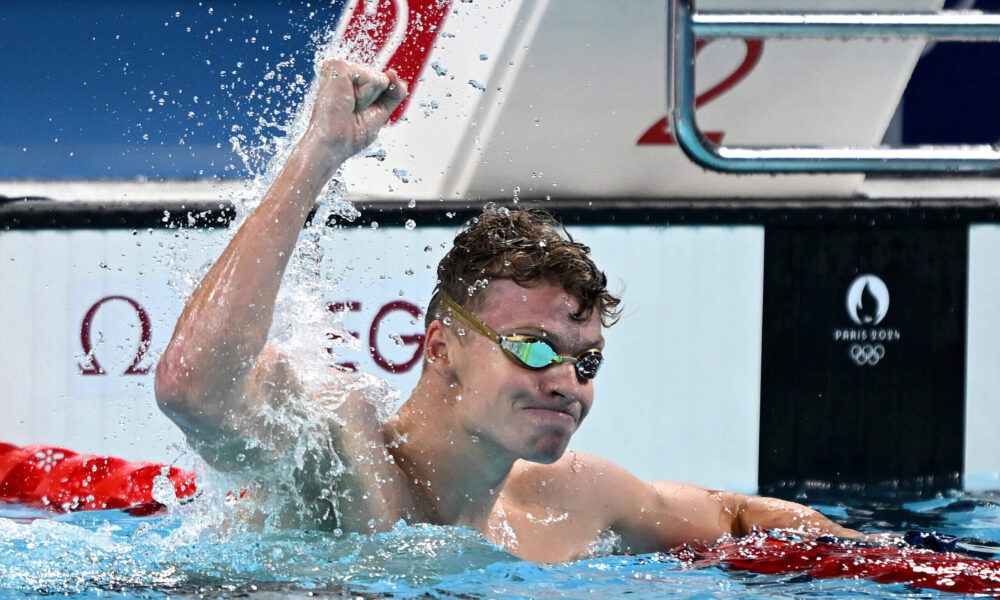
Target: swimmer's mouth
pixel 575 415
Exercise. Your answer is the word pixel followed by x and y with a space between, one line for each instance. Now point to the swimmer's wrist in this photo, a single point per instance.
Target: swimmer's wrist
pixel 322 151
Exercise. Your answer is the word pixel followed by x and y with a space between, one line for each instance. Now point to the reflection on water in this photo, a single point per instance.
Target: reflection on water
pixel 195 551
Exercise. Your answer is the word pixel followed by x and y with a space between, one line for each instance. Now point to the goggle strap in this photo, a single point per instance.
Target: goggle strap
pixel 468 318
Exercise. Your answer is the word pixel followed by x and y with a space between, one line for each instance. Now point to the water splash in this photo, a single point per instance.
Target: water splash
pixel 109 554
pixel 292 474
pixel 87 553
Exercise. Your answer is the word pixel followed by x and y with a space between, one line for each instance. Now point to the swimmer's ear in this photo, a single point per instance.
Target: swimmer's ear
pixel 436 345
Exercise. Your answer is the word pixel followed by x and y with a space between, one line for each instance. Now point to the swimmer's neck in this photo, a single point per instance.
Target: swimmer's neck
pixel 458 476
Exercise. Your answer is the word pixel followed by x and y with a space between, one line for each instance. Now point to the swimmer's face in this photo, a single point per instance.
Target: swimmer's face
pixel 528 413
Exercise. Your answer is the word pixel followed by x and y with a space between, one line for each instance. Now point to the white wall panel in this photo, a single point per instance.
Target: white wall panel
pixel 677 399
pixel 982 395
pixel 679 396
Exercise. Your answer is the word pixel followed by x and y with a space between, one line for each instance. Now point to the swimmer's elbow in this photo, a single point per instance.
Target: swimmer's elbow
pixel 169 388
pixel 176 391
pixel 181 402
pixel 737 512
pixel 180 386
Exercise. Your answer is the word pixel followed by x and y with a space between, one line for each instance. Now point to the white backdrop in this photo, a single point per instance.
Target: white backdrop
pixel 982 383
pixel 677 398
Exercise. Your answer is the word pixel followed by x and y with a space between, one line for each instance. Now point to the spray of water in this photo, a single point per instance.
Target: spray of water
pixel 300 486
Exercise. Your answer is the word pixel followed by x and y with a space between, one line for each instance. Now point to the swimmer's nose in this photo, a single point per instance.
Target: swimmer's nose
pixel 562 382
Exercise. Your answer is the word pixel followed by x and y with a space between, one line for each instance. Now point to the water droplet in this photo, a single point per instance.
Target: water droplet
pixel 477 85
pixel 411 203
pixel 374 225
pixel 483 57
pixel 428 249
pixel 411 224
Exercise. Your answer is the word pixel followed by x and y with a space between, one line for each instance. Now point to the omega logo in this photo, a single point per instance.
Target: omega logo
pixel 415 339
pixel 91 366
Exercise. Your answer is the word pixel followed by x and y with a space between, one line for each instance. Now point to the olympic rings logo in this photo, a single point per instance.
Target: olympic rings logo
pixel 866 354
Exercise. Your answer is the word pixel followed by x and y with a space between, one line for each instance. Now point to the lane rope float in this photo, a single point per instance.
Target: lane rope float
pixel 766 553
pixel 60 479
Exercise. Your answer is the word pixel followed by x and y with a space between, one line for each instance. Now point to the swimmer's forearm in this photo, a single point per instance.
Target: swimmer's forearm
pixel 771 513
pixel 225 323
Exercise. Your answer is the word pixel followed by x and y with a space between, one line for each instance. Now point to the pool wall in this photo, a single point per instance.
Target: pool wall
pixel 700 383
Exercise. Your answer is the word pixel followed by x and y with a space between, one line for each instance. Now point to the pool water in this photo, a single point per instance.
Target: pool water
pixel 191 552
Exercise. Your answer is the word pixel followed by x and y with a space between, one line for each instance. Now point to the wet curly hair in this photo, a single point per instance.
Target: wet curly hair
pixel 529 247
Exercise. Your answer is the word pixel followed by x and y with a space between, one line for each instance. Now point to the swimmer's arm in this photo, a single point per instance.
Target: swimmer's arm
pixel 607 496
pixel 670 514
pixel 214 368
pixel 748 512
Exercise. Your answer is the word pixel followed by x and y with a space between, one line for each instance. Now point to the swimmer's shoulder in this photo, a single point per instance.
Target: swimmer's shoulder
pixel 577 480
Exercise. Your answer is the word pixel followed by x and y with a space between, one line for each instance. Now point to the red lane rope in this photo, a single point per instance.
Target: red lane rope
pixel 765 553
pixel 60 479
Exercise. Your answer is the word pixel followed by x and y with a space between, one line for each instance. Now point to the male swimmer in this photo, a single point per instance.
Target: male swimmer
pixel 513 343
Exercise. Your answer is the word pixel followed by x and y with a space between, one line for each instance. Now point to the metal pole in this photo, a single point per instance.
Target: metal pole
pixel 950 26
pixel 683 24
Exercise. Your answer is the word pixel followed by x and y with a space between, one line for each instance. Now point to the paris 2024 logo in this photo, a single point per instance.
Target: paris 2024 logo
pixel 867 305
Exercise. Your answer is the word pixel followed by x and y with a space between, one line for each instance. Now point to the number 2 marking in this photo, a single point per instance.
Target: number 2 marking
pixel 660 133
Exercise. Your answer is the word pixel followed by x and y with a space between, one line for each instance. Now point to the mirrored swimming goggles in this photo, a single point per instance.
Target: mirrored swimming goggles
pixel 527 351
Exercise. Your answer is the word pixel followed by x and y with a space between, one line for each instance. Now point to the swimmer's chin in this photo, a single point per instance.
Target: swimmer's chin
pixel 546 456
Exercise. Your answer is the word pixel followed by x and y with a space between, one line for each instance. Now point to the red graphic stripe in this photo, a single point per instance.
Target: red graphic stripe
pixel 369 30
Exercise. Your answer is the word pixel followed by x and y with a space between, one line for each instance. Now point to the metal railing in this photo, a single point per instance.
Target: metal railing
pixel 684 24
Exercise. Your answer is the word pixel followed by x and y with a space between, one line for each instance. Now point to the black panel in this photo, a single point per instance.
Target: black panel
pixel 895 421
pixel 26 213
